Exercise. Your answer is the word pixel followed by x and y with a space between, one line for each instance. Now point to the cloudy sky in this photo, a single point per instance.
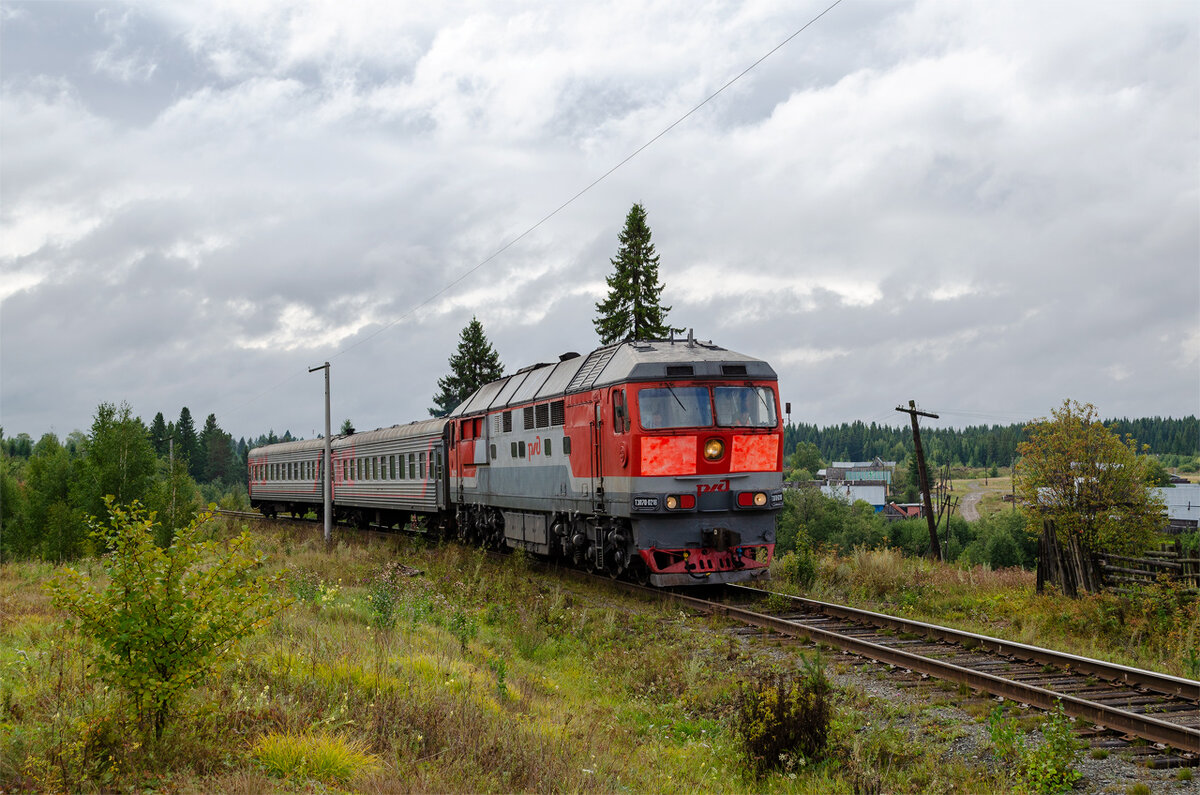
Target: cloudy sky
pixel 987 207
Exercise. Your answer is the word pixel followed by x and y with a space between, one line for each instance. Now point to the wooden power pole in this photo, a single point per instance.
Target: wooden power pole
pixel 934 547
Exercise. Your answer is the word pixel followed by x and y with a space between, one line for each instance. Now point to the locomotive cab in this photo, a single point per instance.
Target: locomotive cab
pixel 706 481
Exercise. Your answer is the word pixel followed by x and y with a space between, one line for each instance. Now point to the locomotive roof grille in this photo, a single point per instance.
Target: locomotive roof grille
pixel 620 362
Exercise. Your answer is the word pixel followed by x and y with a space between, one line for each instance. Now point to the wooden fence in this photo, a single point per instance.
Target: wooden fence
pixel 1120 572
pixel 1064 563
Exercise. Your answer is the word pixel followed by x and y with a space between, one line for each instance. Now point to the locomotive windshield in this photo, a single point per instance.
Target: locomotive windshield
pixel 747 406
pixel 692 407
pixel 675 407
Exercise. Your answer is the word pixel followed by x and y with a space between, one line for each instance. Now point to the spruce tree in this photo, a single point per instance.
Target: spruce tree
pixel 216 451
pixel 158 434
pixel 475 364
pixel 631 310
pixel 187 443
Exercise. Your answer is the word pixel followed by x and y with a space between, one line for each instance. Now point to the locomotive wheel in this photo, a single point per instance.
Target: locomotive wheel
pixel 639 572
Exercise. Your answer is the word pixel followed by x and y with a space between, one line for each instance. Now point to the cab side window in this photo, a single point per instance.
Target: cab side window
pixel 621 421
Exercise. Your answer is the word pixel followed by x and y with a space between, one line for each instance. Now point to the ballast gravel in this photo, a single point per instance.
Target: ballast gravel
pixel 1113 775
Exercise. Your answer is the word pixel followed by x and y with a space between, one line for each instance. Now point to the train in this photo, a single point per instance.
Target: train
pixel 659 461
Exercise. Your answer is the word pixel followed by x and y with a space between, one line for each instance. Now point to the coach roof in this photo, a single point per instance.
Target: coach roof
pixel 652 360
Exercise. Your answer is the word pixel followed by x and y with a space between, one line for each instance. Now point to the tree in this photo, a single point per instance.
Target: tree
pixel 1079 475
pixel 1156 473
pixel 118 461
pixel 806 457
pixel 164 617
pixel 187 444
pixel 159 436
pixel 631 310
pixel 216 451
pixel 347 427
pixel 475 364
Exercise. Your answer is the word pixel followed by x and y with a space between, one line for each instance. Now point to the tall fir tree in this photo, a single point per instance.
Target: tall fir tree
pixel 475 364
pixel 187 443
pixel 158 434
pixel 216 451
pixel 632 310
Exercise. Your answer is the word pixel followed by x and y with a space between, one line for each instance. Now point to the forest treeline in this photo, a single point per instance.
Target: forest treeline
pixel 50 488
pixel 977 445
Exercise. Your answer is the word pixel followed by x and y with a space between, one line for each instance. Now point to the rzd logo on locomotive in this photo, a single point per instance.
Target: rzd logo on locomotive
pixel 720 485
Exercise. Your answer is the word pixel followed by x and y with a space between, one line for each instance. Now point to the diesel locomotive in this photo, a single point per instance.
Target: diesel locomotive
pixel 657 460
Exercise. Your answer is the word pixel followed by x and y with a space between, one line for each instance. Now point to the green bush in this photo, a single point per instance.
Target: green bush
pixel 1045 768
pixel 165 616
pixel 796 568
pixel 782 723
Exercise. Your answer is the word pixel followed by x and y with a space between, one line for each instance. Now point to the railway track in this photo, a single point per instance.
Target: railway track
pixel 1159 708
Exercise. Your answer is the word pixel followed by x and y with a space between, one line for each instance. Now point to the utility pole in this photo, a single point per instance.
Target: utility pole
pixel 327 467
pixel 934 547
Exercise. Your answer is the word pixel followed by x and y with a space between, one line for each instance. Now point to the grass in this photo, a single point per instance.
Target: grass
pixel 407 667
pixel 1154 631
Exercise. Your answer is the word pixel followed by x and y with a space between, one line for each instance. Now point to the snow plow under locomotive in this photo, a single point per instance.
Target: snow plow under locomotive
pixel 660 460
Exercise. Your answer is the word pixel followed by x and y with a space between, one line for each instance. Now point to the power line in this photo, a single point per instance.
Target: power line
pixel 455 282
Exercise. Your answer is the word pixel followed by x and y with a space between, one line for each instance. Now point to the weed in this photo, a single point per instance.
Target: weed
pixel 500 669
pixel 1184 774
pixel 785 723
pixel 1047 767
pixel 1099 753
pixel 1139 788
pixel 463 628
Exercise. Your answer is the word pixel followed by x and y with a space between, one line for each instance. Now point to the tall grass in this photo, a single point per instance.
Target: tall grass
pixel 1157 628
pixel 408 667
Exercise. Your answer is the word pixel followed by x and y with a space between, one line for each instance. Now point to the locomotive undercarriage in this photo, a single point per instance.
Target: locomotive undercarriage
pixel 601 544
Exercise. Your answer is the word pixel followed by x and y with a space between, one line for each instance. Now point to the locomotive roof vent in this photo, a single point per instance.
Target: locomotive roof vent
pixel 680 369
pixel 733 369
pixel 568 356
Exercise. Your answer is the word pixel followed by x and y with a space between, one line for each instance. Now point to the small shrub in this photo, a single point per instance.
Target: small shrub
pixel 1184 774
pixel 1047 767
pixel 463 628
pixel 330 760
pixel 782 723
pixel 796 568
pixel 166 616
pixel 1138 789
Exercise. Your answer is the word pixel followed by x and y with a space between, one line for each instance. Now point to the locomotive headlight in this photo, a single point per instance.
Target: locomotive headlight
pixel 714 449
pixel 760 499
pixel 672 502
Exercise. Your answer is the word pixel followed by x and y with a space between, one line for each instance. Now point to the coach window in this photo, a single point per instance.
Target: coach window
pixel 439 462
pixel 421 467
pixel 412 467
pixel 392 466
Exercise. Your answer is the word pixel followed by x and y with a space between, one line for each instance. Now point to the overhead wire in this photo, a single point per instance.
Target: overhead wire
pixel 455 282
